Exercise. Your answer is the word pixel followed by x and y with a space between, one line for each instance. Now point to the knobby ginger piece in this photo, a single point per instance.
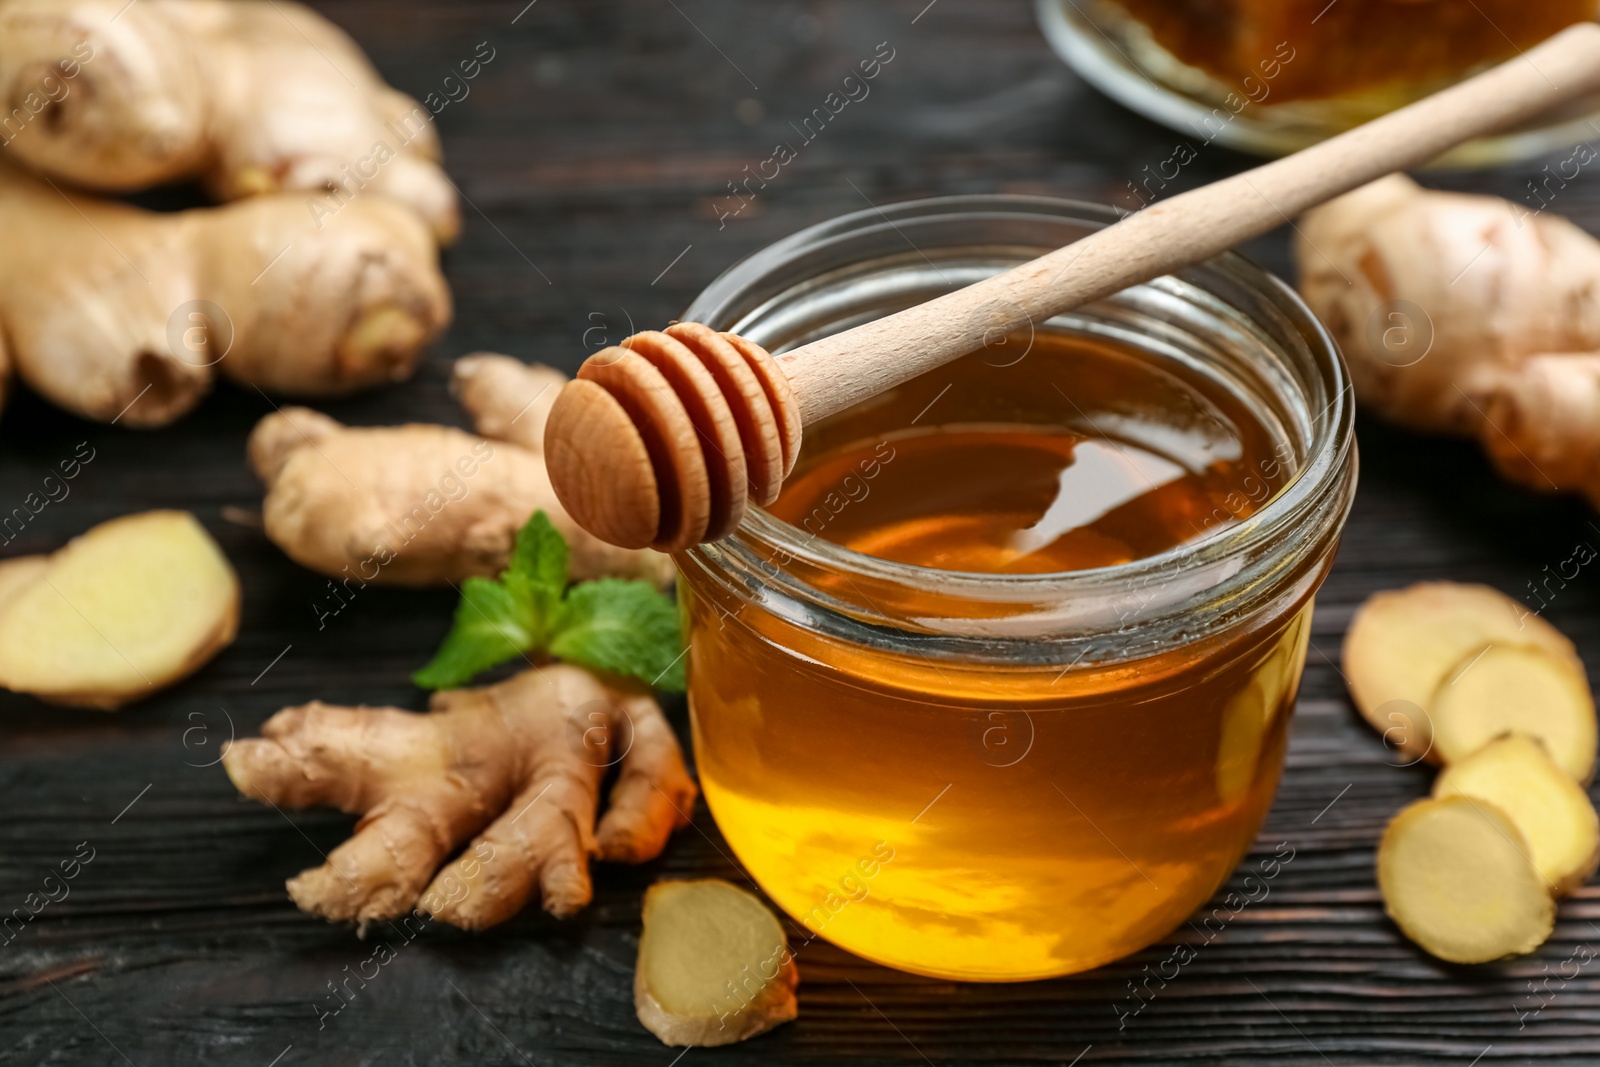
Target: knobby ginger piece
pixel 125 315
pixel 413 505
pixel 714 965
pixel 1517 775
pixel 1485 283
pixel 1402 645
pixel 1456 879
pixel 250 96
pixel 1469 315
pixel 509 400
pixel 510 771
pixel 132 606
pixel 1517 688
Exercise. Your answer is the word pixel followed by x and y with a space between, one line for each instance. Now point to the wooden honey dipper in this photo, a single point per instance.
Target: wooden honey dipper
pixel 664 440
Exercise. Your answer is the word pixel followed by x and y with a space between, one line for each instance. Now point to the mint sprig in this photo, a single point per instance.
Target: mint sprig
pixel 622 627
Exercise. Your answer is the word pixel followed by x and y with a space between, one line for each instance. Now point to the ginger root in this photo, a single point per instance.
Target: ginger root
pixel 131 606
pixel 1456 878
pixel 121 314
pixel 1554 814
pixel 507 399
pixel 514 768
pixel 250 96
pixel 1407 649
pixel 414 505
pixel 714 965
pixel 1467 315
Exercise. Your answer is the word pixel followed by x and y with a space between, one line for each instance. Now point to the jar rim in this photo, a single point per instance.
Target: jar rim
pixel 1315 485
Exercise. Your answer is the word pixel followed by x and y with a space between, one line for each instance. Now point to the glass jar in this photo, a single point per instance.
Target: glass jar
pixel 1273 76
pixel 1004 777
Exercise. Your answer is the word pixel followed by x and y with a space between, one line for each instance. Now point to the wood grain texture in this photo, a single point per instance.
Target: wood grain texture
pixel 594 151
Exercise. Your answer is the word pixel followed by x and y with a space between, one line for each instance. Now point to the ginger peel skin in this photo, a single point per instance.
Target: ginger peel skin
pixel 509 775
pixel 250 96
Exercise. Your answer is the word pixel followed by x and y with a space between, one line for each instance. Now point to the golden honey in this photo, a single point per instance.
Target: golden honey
pixel 1350 46
pixel 999 687
pixel 1003 824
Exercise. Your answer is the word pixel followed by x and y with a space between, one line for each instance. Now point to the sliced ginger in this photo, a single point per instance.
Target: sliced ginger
pixel 1456 878
pixel 1248 715
pixel 1554 814
pixel 511 771
pixel 131 606
pixel 1405 644
pixel 714 965
pixel 1466 677
pixel 18 573
pixel 1529 690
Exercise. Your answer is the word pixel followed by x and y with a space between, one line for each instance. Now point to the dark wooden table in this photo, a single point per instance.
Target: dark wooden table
pixel 594 153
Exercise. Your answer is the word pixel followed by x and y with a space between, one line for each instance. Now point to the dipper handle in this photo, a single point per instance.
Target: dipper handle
pixel 663 440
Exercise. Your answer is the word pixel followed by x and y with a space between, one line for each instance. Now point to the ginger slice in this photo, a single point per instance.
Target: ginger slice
pixel 1517 775
pixel 133 605
pixel 1402 645
pixel 714 965
pixel 1248 715
pixel 18 573
pixel 1507 688
pixel 1456 879
pixel 506 778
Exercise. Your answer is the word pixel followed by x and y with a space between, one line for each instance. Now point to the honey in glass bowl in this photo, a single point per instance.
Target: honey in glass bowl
pixel 1274 76
pixel 1349 47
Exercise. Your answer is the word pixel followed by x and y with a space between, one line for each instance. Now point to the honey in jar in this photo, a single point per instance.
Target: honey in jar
pixel 1003 824
pixel 999 687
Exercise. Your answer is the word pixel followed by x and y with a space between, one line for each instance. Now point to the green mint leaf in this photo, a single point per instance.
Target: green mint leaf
pixel 491 626
pixel 623 627
pixel 537 572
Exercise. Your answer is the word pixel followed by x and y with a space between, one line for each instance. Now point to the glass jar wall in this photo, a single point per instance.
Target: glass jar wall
pixel 1011 771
